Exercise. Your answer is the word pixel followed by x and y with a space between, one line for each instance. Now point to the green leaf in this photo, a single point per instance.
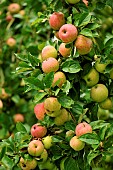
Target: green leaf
pixel 70 164
pixel 2 152
pixel 84 19
pixel 7 162
pixel 103 132
pixel 34 83
pixel 92 155
pixel 65 101
pixel 66 87
pixel 90 138
pixel 48 79
pixel 98 124
pixel 39 96
pixel 20 127
pixel 109 131
pixel 86 32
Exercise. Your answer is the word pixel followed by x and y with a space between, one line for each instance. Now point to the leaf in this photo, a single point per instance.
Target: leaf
pixel 34 83
pixel 84 19
pixel 65 101
pixel 70 164
pixel 98 124
pixel 86 32
pixel 90 138
pixel 39 96
pixel 103 132
pixel 2 152
pixel 8 162
pixel 92 155
pixel 109 131
pixel 20 127
pixel 48 79
pixel 66 87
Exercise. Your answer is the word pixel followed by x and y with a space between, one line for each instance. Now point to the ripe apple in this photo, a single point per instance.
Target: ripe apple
pixel 56 20
pixel 106 104
pixel 52 104
pixel 1 104
pixel 64 51
pixel 99 93
pixel 49 165
pixel 9 18
pixel 72 1
pixel 49 65
pixel 83 44
pixel 18 117
pixel 48 51
pixel 68 33
pixel 35 148
pixel 59 79
pixel 53 113
pixel 56 33
pixel 83 128
pixel 27 164
pixel 47 142
pixel 38 131
pixel 86 2
pixel 22 12
pixel 76 143
pixel 100 67
pixel 11 42
pixel 91 78
pixel 103 114
pixel 14 8
pixel 39 111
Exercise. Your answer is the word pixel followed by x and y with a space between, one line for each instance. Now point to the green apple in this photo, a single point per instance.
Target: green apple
pixel 43 157
pixel 99 93
pixel 51 104
pixel 53 113
pixel 103 114
pixel 100 67
pixel 72 1
pixel 27 164
pixel 106 104
pixel 76 143
pixel 91 78
pixel 47 141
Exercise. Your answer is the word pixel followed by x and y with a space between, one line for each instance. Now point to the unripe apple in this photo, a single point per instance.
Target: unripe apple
pixel 99 93
pixel 91 78
pixel 39 111
pixel 83 128
pixel 47 142
pixel 52 104
pixel 38 131
pixel 100 67
pixel 76 143
pixel 64 51
pixel 68 33
pixel 103 114
pixel 56 20
pixel 27 164
pixel 35 148
pixel 11 42
pixel 1 104
pixel 106 104
pixel 48 51
pixel 43 157
pixel 18 117
pixel 70 133
pixel 53 113
pixel 72 1
pixel 49 65
pixel 60 78
pixel 9 18
pixel 83 44
pixel 22 12
pixel 14 8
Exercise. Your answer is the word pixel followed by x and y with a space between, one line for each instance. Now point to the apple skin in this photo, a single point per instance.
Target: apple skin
pixel 52 104
pixel 99 93
pixel 49 65
pixel 68 33
pixel 1 104
pixel 39 111
pixel 43 157
pixel 59 76
pixel 35 148
pixel 22 12
pixel 106 104
pixel 103 114
pixel 76 143
pixel 56 33
pixel 65 52
pixel 9 18
pixel 56 20
pixel 100 67
pixel 11 42
pixel 48 51
pixel 3 94
pixel 85 2
pixel 14 8
pixel 47 142
pixel 27 164
pixel 38 131
pixel 53 113
pixel 83 128
pixel 18 117
pixel 72 1
pixel 83 44
pixel 91 78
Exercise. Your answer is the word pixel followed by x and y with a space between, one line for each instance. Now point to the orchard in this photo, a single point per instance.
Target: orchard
pixel 56 89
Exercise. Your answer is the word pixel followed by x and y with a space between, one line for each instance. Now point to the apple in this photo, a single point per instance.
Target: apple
pixel 111 73
pixel 3 94
pixel 48 51
pixel 43 157
pixel 56 20
pixel 49 65
pixel 18 118
pixel 14 8
pixel 11 42
pixel 59 79
pixel 99 93
pixel 69 133
pixel 56 33
pixel 72 1
pixel 83 128
pixel 27 164
pixel 103 114
pixel 9 18
pixel 100 67
pixel 106 104
pixel 64 51
pixel 52 104
pixel 22 12
pixel 91 78
pixel 76 143
pixel 1 104
pixel 35 148
pixel 68 33
pixel 53 113
pixel 83 44
pixel 38 131
pixel 49 165
pixel 85 2
pixel 47 142
pixel 39 111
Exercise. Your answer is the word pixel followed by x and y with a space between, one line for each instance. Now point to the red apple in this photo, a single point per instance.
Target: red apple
pixel 1 104
pixel 9 18
pixel 11 42
pixel 76 143
pixel 83 128
pixel 56 20
pixel 64 51
pixel 18 117
pixel 14 8
pixel 60 78
pixel 48 51
pixel 68 33
pixel 35 148
pixel 39 111
pixel 38 131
